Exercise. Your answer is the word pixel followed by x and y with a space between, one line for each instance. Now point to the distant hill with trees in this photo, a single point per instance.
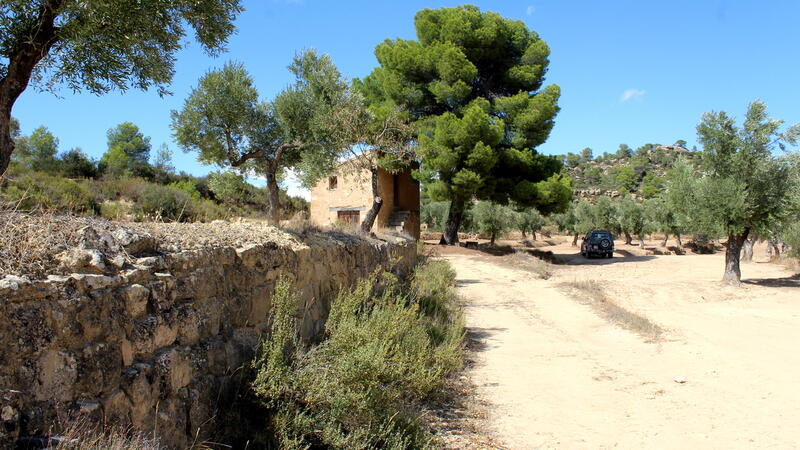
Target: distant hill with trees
pixel 638 172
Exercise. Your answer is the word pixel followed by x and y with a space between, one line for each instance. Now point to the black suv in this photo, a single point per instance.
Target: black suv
pixel 598 242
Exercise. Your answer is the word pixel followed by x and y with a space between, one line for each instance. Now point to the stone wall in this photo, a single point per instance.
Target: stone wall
pixel 161 345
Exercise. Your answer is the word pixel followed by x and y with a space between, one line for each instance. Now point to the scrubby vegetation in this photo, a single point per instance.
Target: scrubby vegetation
pixel 388 346
pixel 124 184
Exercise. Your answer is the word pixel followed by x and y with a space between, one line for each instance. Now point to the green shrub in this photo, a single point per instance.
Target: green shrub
pixel 204 210
pixel 35 190
pixel 114 210
pixel 162 203
pixel 387 347
pixel 186 186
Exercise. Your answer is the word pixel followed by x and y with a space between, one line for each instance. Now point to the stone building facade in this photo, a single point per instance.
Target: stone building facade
pixel 346 197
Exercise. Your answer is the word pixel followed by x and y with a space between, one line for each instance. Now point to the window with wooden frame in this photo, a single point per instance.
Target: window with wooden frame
pixel 349 217
pixel 333 182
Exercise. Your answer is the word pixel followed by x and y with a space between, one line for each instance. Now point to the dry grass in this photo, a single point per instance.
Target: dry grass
pixel 592 293
pixel 526 261
pixel 29 242
pixel 82 434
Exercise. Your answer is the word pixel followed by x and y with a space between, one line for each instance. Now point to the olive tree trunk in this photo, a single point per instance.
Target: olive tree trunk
pixel 641 241
pixel 575 240
pixel 377 203
pixel 19 68
pixel 775 246
pixel 273 196
pixel 454 216
pixel 628 238
pixel 733 249
pixel 666 238
pixel 747 249
pixel 678 240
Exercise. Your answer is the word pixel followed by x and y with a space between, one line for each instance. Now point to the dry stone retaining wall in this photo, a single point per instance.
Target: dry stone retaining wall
pixel 161 345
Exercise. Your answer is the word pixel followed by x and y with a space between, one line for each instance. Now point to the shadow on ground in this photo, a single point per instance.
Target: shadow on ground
pixel 792 281
pixel 476 337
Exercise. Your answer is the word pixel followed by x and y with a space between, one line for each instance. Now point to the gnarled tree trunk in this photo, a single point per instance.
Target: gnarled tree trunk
pixel 454 216
pixel 575 240
pixel 641 241
pixel 733 248
pixel 377 202
pixel 678 240
pixel 747 249
pixel 273 196
pixel 21 62
pixel 666 238
pixel 628 238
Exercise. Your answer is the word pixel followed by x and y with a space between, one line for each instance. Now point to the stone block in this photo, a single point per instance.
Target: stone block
pixel 136 297
pixel 57 372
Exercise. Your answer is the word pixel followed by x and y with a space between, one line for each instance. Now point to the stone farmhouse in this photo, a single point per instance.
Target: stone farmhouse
pixel 346 197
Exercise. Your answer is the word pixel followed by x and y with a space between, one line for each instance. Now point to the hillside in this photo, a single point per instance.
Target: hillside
pixel 640 172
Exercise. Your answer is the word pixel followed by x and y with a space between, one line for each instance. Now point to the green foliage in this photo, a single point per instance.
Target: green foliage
pixel 529 221
pixel 567 221
pixel 127 137
pixel 586 155
pixel 76 164
pixel 163 203
pixel 554 194
pixel 128 152
pixel 103 45
pixel 746 188
pixel 229 187
pixel 493 219
pixel 226 124
pixel 434 214
pixel 473 84
pixel 601 215
pixel 592 176
pixel 631 217
pixel 35 190
pixel 384 351
pixel 572 160
pixel 38 151
pixel 163 170
pixel 651 185
pixel 663 216
pixel 187 186
pixel 624 152
pixel 117 163
pixel 625 179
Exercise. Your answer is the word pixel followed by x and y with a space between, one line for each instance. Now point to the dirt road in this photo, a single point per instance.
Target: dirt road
pixel 556 374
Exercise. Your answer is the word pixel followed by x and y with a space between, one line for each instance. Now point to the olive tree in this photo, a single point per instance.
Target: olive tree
pixel 632 219
pixel 493 219
pixel 370 137
pixel 567 222
pixel 529 221
pixel 99 46
pixel 746 188
pixel 226 124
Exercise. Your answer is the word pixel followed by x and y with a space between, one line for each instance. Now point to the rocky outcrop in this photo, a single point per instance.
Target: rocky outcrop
pixel 158 342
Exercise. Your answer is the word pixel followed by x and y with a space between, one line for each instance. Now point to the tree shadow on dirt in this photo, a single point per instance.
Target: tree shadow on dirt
pixel 575 259
pixel 476 337
pixel 460 283
pixel 792 281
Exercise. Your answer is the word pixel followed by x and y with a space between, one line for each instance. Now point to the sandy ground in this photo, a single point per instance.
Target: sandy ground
pixel 555 374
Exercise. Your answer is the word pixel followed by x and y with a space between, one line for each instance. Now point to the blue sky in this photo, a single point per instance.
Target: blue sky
pixel 630 71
